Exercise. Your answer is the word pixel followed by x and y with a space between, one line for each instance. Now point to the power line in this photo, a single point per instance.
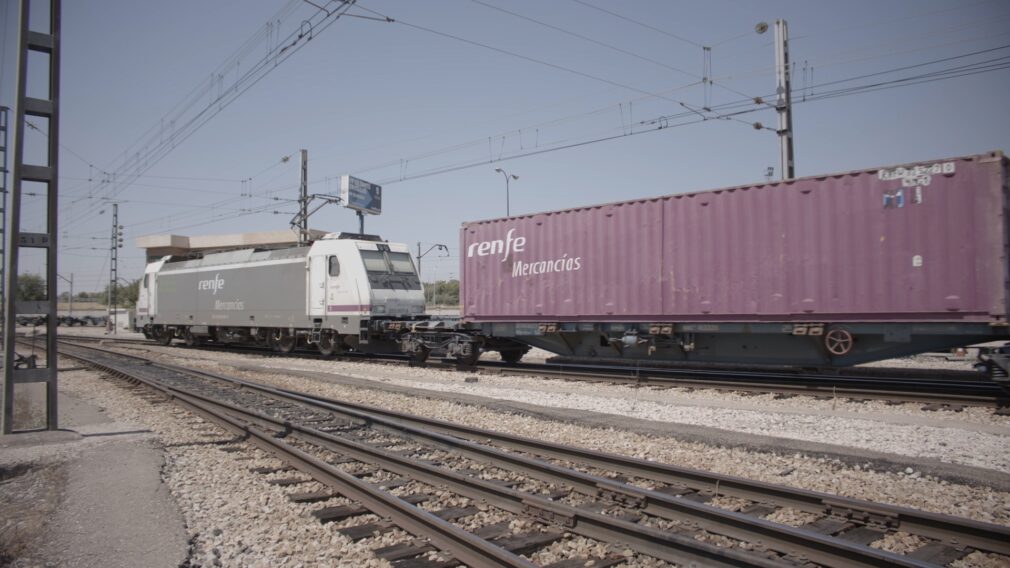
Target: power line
pixel 163 139
pixel 917 65
pixel 586 38
pixel 526 58
pixel 876 51
pixel 671 121
pixel 636 22
pixel 704 78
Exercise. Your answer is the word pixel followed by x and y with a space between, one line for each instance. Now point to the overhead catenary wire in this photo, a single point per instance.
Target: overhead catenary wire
pixel 636 22
pixel 586 38
pixel 151 152
pixel 730 110
pixel 705 78
pixel 713 117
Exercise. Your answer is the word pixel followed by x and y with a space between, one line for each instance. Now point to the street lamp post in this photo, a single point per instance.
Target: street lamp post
pixel 507 177
pixel 421 255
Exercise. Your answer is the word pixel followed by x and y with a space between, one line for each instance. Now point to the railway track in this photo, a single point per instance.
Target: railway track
pixel 485 498
pixel 935 390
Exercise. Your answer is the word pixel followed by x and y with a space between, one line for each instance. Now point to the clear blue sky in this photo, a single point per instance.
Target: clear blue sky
pixel 390 101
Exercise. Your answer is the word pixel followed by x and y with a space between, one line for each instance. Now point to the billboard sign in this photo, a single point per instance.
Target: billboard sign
pixel 361 195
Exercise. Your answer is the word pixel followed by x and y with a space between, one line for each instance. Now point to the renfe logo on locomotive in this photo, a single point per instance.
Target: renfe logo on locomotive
pixel 216 283
pixel 503 247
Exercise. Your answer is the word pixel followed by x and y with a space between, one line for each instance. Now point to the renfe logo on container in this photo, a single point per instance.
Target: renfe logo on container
pixel 216 283
pixel 503 247
pixel 519 267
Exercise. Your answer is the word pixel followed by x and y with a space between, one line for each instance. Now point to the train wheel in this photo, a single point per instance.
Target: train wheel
pixel 284 342
pixel 165 336
pixel 188 338
pixel 470 359
pixel 329 344
pixel 420 355
pixel 839 342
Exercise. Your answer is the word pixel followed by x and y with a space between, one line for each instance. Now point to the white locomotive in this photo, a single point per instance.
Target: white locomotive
pixel 341 293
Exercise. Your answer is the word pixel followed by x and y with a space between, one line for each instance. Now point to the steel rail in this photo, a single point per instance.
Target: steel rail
pixel 794 542
pixel 979 392
pixel 646 540
pixel 464 546
pixel 983 536
pixel 968 392
pixel 791 541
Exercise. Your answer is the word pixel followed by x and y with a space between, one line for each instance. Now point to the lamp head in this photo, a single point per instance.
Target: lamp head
pixel 499 170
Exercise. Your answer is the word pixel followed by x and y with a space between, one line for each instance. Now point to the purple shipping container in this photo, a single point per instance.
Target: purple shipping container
pixel 920 242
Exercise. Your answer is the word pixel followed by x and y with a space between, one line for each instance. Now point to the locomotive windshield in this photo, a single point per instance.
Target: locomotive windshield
pixel 401 263
pixel 390 270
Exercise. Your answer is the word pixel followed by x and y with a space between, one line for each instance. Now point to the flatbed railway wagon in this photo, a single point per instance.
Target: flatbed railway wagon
pixel 829 270
pixel 344 292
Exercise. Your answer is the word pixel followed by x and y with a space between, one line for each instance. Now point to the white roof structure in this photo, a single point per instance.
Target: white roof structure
pixel 160 245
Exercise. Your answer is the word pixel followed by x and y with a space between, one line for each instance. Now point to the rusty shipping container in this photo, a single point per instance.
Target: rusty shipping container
pixel 924 242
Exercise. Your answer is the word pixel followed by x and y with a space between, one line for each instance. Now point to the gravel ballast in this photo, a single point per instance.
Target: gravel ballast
pixel 975 437
pixel 235 518
pixel 907 487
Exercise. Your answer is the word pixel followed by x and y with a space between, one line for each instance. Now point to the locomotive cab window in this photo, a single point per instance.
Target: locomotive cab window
pixel 375 261
pixel 389 270
pixel 145 279
pixel 334 269
pixel 401 262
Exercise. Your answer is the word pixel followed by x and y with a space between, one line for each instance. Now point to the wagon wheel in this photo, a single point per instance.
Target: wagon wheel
pixel 839 341
pixel 188 338
pixel 469 359
pixel 420 355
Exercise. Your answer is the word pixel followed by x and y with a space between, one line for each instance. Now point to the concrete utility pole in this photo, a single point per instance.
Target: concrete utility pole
pixel 303 202
pixel 41 38
pixel 784 104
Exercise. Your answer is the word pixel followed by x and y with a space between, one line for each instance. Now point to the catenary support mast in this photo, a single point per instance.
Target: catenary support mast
pixel 45 65
pixel 784 104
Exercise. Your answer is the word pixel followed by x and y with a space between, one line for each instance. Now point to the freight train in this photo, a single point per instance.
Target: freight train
pixel 830 270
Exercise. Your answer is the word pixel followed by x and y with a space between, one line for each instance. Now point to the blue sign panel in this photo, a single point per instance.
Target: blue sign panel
pixel 361 195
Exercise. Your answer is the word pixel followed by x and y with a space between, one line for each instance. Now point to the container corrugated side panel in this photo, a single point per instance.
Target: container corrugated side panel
pixel 828 246
pixel 574 265
pixel 813 249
